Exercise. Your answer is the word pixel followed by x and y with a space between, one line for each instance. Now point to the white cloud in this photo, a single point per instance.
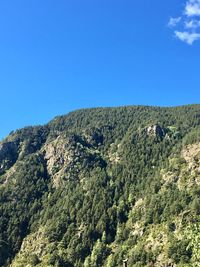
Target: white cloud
pixel 174 21
pixel 192 24
pixel 187 26
pixel 187 37
pixel 192 8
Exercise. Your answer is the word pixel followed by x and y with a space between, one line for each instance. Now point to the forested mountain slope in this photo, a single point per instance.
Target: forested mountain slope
pixel 98 186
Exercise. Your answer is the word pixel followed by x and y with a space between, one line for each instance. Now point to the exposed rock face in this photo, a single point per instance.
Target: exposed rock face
pixel 61 156
pixel 114 156
pixel 66 156
pixel 191 154
pixel 156 130
pixel 57 154
pixel 184 171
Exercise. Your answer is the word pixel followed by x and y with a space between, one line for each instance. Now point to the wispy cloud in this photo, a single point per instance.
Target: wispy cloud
pixel 187 26
pixel 192 24
pixel 174 21
pixel 187 37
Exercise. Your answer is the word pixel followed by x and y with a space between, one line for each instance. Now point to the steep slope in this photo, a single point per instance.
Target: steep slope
pixel 101 185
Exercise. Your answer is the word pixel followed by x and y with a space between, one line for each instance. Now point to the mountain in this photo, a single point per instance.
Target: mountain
pixel 100 186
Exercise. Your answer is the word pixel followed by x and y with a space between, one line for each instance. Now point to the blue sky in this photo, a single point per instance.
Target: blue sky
pixel 57 56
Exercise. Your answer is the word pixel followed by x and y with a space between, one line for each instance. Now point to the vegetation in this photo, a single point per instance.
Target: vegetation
pixel 98 186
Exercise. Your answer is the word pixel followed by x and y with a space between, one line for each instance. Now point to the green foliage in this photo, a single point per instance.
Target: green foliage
pixel 179 251
pixel 192 137
pixel 93 182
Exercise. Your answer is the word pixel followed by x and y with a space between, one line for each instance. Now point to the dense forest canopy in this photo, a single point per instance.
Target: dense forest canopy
pixel 98 186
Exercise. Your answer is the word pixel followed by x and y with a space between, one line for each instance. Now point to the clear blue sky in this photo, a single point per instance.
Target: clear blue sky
pixel 60 55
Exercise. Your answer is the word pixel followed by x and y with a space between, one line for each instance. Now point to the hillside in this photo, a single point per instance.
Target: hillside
pixel 98 186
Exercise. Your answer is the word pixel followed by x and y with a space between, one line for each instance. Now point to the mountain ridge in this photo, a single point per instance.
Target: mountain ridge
pixel 96 186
